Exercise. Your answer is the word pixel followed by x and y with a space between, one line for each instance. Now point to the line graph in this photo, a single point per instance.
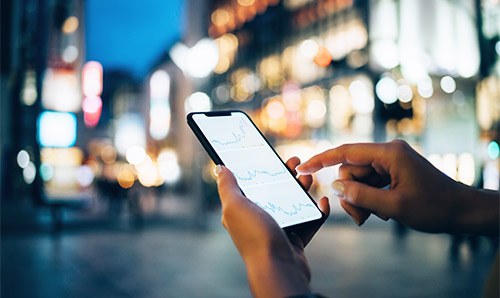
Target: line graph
pixel 237 136
pixel 274 208
pixel 261 175
pixel 255 173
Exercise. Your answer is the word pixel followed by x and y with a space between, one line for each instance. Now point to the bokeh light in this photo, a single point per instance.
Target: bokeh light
pixel 424 88
pixel 493 150
pixel 198 102
pixel 135 155
pixel 29 173
pixel 275 109
pixel 125 178
pixel 23 159
pixel 70 25
pixel 466 168
pixel 448 84
pixel 387 90
pixel 46 171
pixel 84 175
pixel 323 57
pixel 309 48
pixel 108 154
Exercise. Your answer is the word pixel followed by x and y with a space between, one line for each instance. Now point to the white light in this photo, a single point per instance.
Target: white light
pixel 466 169
pixel 198 102
pixel 387 90
pixel 424 88
pixel 309 48
pixel 316 109
pixel 70 54
pixel 159 84
pixel 179 53
pixel 497 47
pixel 23 159
pixel 130 131
pixel 405 93
pixel 491 176
pixel 159 112
pixel 60 91
pixel 29 173
pixel 448 84
pixel 135 155
pixel 160 118
pixel 450 165
pixel 436 161
pixel 385 53
pixel 168 166
pixel 57 129
pixel 92 79
pixel 202 58
pixel 84 175
pixel 362 97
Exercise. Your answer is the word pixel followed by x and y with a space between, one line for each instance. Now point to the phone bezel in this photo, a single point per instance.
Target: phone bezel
pixel 217 160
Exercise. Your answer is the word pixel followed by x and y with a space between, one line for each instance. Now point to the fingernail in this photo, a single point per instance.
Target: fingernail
pixel 217 170
pixel 356 221
pixel 338 188
pixel 297 169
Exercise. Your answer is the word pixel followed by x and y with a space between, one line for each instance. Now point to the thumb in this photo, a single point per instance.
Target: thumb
pixel 226 184
pixel 361 195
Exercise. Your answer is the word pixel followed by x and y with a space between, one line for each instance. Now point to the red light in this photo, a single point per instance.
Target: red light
pixel 92 107
pixel 323 57
pixel 92 79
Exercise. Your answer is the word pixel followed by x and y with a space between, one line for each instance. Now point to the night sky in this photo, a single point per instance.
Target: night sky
pixel 131 34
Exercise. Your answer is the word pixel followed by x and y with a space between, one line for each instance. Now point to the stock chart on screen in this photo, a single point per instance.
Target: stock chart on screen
pixel 261 175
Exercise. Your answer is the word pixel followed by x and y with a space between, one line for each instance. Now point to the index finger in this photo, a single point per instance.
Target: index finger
pixel 355 154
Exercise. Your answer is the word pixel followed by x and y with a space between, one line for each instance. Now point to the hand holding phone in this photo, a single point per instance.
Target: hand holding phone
pixel 233 140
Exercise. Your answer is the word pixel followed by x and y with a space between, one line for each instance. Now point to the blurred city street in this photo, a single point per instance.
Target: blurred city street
pixel 174 259
pixel 106 192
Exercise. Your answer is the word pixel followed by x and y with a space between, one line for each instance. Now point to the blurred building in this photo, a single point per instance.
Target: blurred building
pixel 317 74
pixel 312 74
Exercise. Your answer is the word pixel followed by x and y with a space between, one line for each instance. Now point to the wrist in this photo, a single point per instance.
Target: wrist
pixel 477 211
pixel 276 275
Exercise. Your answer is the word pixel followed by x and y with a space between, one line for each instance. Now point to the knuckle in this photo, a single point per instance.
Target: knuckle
pixel 399 144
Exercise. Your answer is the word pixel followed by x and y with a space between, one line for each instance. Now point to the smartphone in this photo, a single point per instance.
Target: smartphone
pixel 232 139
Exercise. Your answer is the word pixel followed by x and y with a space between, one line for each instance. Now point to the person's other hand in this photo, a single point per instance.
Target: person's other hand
pixel 420 196
pixel 275 266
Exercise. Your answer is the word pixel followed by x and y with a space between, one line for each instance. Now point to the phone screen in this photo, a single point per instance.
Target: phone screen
pixel 260 173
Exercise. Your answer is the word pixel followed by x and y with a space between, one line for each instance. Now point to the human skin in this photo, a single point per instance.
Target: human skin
pixel 275 262
pixel 419 195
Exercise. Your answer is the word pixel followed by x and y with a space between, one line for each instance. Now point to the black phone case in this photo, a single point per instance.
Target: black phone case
pixel 217 160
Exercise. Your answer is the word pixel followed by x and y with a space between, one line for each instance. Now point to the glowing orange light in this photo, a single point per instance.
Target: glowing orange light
pixel 220 17
pixel 323 58
pixel 70 25
pixel 246 2
pixel 125 179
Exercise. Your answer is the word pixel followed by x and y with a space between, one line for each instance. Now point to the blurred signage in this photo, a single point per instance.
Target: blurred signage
pixel 92 89
pixel 60 91
pixel 56 129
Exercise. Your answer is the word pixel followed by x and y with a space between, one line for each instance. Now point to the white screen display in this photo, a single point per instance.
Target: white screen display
pixel 261 175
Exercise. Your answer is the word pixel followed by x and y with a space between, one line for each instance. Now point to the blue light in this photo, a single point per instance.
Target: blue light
pixel 493 150
pixel 56 129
